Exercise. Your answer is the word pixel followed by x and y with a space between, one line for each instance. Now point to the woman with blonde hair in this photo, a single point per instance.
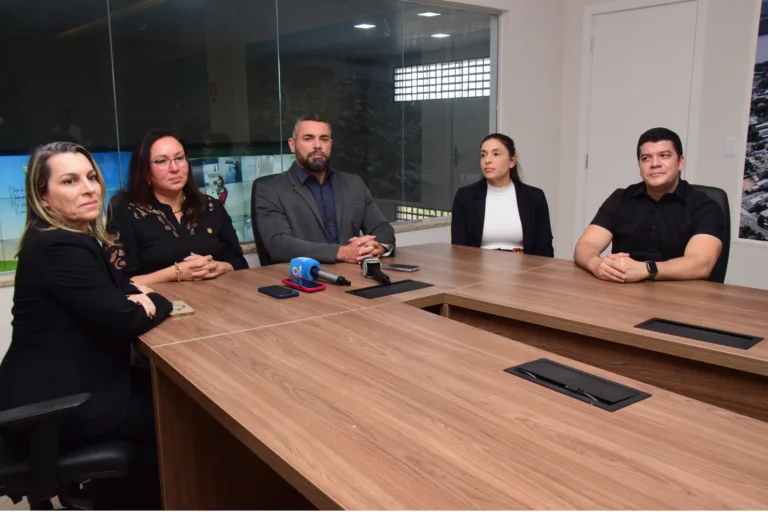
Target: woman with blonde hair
pixel 75 317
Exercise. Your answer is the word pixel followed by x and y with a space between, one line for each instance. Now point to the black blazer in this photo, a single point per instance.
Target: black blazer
pixel 468 217
pixel 72 330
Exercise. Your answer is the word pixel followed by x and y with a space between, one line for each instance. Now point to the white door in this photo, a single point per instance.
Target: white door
pixel 641 74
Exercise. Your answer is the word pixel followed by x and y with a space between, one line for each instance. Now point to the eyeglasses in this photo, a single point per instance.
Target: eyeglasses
pixel 164 163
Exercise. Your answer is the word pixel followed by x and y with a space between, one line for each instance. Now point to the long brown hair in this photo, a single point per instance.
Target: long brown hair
pixel 36 185
pixel 139 191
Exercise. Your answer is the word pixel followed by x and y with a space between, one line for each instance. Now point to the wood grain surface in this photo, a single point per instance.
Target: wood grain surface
pixel 204 467
pixel 563 296
pixel 737 391
pixel 459 259
pixel 232 302
pixel 397 408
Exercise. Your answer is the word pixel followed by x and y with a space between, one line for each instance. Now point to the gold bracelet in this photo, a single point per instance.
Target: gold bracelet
pixel 178 272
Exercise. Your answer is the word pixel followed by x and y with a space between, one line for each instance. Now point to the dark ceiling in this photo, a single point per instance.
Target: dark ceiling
pixel 182 24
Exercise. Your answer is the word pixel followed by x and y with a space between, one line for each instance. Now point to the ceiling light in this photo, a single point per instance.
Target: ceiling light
pixel 428 14
pixel 440 35
pixel 365 26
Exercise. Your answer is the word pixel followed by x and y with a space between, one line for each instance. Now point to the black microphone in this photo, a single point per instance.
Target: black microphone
pixel 372 270
pixel 316 273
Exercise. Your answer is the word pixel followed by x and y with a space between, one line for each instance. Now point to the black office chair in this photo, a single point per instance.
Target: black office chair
pixel 42 471
pixel 264 258
pixel 721 198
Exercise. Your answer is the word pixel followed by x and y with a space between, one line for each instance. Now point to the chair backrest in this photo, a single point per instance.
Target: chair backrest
pixel 721 198
pixel 264 258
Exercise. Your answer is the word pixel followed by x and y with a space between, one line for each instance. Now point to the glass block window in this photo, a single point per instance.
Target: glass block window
pixel 445 80
pixel 416 213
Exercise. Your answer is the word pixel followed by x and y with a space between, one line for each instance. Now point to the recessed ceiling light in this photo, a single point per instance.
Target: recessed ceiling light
pixel 428 14
pixel 440 35
pixel 365 26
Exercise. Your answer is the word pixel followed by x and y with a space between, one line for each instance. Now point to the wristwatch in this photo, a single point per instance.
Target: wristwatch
pixel 652 270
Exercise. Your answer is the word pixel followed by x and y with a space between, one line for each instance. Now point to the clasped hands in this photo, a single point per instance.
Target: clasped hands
pixel 196 267
pixel 620 268
pixel 360 248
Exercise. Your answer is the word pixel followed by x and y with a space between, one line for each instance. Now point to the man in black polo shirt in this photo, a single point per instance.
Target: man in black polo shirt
pixel 660 228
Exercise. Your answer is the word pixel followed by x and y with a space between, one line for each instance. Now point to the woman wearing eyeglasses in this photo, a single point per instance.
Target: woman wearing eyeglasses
pixel 166 229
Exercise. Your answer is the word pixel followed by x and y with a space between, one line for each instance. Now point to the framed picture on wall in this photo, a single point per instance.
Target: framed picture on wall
pixel 753 223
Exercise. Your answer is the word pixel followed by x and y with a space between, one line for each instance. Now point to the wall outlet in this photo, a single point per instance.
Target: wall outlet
pixel 729 150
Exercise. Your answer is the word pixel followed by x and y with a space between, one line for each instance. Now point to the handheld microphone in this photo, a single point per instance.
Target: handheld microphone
pixel 310 269
pixel 372 270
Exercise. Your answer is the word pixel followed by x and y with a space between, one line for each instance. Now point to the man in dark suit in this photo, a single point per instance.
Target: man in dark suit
pixel 315 211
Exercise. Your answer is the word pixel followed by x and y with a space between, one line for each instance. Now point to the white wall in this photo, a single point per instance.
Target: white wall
pixel 531 45
pixel 730 36
pixel 424 236
pixel 729 62
pixel 540 62
pixel 6 303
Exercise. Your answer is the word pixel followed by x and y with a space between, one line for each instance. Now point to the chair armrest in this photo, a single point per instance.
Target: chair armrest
pixel 31 414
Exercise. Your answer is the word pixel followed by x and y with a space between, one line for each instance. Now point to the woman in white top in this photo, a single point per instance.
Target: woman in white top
pixel 500 211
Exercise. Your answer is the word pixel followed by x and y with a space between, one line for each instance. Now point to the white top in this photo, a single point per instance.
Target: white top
pixel 502 228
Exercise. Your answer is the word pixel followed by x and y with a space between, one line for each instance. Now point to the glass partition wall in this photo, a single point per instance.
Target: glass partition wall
pixel 408 88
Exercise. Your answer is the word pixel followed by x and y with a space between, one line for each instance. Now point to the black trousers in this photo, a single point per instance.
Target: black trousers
pixel 140 489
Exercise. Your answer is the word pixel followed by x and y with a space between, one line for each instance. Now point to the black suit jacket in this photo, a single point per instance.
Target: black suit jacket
pixel 72 330
pixel 468 217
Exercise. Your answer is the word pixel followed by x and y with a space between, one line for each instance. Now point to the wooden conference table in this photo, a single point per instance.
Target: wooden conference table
pixel 334 401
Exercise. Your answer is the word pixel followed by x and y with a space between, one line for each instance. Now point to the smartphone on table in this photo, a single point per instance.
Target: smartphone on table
pixel 181 308
pixel 305 285
pixel 399 267
pixel 278 292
